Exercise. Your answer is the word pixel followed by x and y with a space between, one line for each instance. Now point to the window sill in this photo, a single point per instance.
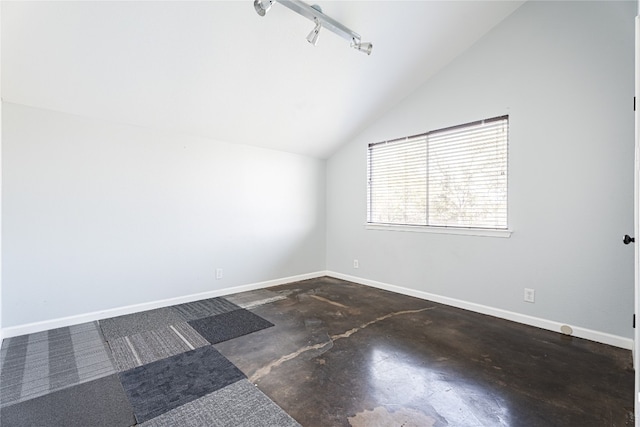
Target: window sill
pixel 440 230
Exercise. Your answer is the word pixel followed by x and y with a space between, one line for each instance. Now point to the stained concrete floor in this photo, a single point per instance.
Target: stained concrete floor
pixel 343 354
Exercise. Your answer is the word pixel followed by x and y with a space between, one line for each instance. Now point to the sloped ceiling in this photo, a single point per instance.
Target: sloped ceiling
pixel 218 69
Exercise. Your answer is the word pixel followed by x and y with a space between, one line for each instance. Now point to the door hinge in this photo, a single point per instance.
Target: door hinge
pixel 634 103
pixel 634 321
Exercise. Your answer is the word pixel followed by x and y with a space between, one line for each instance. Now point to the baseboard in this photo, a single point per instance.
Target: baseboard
pixel 31 328
pixel 601 337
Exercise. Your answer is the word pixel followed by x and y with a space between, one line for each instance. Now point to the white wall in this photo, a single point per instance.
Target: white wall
pixel 563 71
pixel 99 216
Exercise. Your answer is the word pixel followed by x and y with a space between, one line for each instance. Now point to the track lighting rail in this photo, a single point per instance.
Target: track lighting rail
pixel 315 14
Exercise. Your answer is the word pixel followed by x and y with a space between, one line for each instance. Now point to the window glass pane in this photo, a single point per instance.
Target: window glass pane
pixel 455 177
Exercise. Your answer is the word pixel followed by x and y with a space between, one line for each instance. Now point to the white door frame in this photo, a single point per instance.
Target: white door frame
pixel 636 225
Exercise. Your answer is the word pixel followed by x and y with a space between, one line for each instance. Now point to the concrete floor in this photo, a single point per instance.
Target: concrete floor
pixel 343 354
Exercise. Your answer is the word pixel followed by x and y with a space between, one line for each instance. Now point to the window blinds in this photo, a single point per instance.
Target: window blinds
pixel 454 177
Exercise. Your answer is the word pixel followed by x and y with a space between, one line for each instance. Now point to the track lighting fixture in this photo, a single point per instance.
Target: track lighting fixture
pixel 262 6
pixel 321 20
pixel 313 35
pixel 362 46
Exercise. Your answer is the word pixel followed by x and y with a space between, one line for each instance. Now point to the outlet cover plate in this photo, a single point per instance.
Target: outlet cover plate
pixel 529 295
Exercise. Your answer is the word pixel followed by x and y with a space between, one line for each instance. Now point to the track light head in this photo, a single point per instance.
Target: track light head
pixel 365 47
pixel 262 6
pixel 314 34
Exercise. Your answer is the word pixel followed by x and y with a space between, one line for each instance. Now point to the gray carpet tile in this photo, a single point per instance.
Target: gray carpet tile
pixel 161 386
pixel 146 347
pixel 36 364
pixel 255 298
pixel 205 308
pixel 100 402
pixel 230 325
pixel 130 324
pixel 238 404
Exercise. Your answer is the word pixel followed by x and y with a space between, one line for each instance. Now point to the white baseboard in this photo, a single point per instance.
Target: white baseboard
pixel 31 328
pixel 601 337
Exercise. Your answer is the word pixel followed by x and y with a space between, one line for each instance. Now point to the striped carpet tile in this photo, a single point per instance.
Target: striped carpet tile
pixel 205 308
pixel 146 347
pixel 130 324
pixel 36 364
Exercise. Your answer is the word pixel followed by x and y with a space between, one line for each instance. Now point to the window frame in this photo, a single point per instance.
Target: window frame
pixel 439 229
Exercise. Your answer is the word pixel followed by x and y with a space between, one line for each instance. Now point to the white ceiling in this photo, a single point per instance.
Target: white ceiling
pixel 218 69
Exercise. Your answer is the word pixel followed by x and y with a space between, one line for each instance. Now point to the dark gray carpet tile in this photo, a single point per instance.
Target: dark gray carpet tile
pixel 255 298
pixel 161 386
pixel 36 364
pixel 230 325
pixel 239 404
pixel 146 347
pixel 101 402
pixel 130 324
pixel 205 308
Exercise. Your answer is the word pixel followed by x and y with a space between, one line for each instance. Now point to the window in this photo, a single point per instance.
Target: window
pixel 453 177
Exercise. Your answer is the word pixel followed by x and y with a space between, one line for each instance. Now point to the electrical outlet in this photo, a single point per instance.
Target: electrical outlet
pixel 218 273
pixel 529 295
pixel 356 264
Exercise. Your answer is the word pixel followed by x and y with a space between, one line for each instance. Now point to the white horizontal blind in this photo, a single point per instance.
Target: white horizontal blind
pixel 454 177
pixel 397 182
pixel 468 175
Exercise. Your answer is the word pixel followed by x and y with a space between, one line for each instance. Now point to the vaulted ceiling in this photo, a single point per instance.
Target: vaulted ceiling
pixel 219 70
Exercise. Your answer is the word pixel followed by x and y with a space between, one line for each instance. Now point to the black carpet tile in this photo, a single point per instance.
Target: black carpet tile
pixel 101 402
pixel 161 386
pixel 230 325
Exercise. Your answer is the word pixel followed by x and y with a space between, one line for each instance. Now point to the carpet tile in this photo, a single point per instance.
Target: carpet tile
pixel 205 308
pixel 161 386
pixel 98 403
pixel 36 364
pixel 146 347
pixel 238 404
pixel 230 325
pixel 130 324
